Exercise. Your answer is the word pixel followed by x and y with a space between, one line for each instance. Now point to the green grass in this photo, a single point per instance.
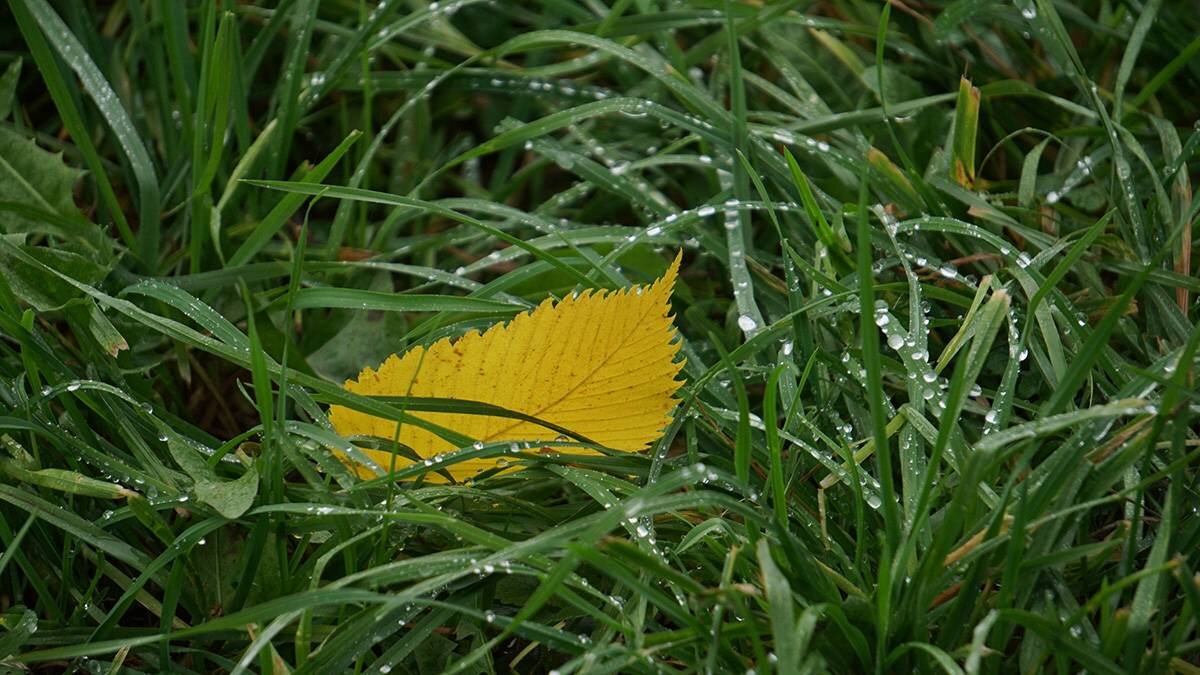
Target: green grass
pixel 937 304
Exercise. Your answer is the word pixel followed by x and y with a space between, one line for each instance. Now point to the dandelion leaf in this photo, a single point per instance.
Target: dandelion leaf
pixel 601 364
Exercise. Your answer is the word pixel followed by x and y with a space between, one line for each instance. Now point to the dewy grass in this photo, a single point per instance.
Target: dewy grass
pixel 937 305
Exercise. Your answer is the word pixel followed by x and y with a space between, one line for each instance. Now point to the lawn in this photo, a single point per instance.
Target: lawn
pixel 930 374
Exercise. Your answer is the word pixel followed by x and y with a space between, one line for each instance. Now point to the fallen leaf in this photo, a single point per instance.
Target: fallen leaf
pixel 601 364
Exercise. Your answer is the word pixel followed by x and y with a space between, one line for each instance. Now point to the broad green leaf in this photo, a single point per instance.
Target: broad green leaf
pixel 33 177
pixel 41 289
pixel 230 498
pixel 367 338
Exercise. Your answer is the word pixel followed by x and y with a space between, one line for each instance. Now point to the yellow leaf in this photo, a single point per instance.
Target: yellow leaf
pixel 599 364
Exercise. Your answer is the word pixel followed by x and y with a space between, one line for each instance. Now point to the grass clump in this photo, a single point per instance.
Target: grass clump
pixel 937 304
